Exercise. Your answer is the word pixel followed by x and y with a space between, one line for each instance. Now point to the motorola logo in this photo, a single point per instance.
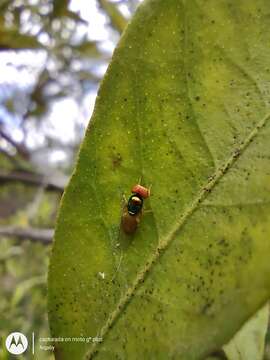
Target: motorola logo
pixel 16 343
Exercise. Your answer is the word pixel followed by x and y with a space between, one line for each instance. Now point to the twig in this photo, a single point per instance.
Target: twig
pixel 44 236
pixel 21 149
pixel 52 183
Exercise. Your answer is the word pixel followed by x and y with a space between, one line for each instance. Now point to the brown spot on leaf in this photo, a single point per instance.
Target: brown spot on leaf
pixel 116 160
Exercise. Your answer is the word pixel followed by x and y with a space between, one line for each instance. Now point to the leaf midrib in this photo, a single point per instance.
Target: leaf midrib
pixel 163 245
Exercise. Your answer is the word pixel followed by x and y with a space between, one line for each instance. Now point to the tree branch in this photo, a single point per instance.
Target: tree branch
pixel 44 236
pixel 21 149
pixel 57 183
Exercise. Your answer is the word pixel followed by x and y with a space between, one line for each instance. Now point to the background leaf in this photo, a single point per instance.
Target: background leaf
pixel 117 19
pixel 248 342
pixel 12 39
pixel 24 288
pixel 185 107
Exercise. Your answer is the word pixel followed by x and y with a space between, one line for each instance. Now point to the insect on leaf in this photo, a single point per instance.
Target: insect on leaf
pixel 185 107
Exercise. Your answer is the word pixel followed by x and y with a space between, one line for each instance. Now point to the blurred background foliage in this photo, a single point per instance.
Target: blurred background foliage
pixel 53 53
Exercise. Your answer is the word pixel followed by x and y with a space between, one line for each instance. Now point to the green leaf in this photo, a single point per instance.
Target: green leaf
pixel 117 19
pixel 248 343
pixel 88 48
pixel 24 287
pixel 11 39
pixel 185 107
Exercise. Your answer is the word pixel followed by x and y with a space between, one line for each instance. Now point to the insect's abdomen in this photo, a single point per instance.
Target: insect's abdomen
pixel 129 223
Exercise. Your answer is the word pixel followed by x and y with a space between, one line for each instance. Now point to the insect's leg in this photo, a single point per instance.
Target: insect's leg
pixel 148 211
pixel 124 199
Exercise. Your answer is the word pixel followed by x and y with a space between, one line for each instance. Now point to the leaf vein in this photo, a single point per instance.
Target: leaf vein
pixel 163 245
